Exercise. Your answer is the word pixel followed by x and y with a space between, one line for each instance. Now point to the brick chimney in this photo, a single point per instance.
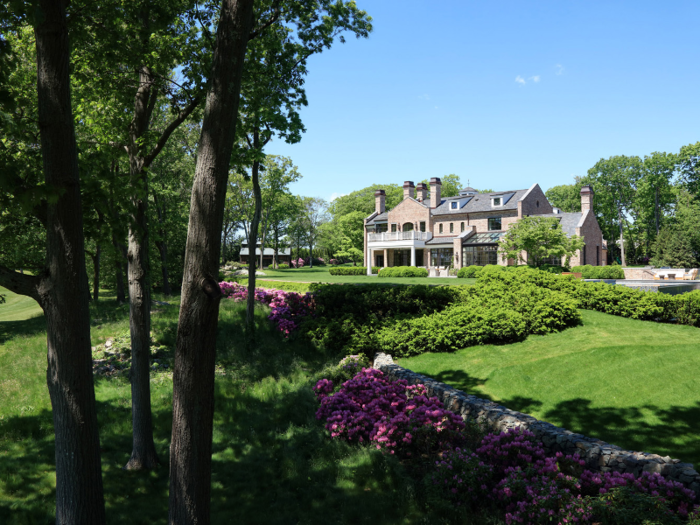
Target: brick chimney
pixel 408 189
pixel 435 192
pixel 422 192
pixel 587 198
pixel 380 201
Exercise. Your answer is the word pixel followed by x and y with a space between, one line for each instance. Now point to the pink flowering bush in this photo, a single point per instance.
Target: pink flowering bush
pixel 512 448
pixel 397 418
pixel 288 309
pixel 299 263
pixel 461 479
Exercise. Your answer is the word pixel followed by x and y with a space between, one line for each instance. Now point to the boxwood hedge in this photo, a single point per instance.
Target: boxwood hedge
pixel 403 271
pixel 352 270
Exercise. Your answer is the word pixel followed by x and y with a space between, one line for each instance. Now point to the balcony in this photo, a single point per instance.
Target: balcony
pixel 400 236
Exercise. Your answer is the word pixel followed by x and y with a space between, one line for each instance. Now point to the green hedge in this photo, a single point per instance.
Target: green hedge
pixel 403 271
pixel 283 266
pixel 610 299
pixel 469 272
pixel 486 313
pixel 278 285
pixel 599 272
pixel 352 270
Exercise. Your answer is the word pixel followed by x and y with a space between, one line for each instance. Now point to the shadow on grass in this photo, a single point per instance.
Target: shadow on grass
pixel 27 327
pixel 669 431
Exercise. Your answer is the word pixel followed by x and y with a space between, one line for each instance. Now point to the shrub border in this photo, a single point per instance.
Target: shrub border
pixel 599 455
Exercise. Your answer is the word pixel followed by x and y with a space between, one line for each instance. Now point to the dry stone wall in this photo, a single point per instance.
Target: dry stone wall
pixel 599 455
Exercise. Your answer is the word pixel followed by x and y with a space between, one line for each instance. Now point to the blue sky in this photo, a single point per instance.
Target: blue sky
pixel 502 93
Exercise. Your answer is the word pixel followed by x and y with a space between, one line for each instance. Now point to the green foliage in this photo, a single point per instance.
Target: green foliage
pixel 352 270
pixel 686 308
pixel 599 272
pixel 276 285
pixel 489 312
pixel 451 185
pixel 689 167
pixel 283 266
pixel 566 197
pixel 540 238
pixel 674 248
pixel 403 271
pixel 626 506
pixel 469 272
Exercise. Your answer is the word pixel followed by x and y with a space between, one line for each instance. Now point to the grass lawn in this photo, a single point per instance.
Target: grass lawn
pixel 17 307
pixel 272 463
pixel 635 384
pixel 319 274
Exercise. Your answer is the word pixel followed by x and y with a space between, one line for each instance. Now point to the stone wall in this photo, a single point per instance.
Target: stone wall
pixel 638 274
pixel 599 455
pixel 592 235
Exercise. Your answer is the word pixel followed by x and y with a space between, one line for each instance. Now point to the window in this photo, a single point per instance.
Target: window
pixel 461 226
pixel 402 257
pixel 393 227
pixel 441 257
pixel 496 201
pixel 537 204
pixel 440 228
pixel 407 227
pixel 422 226
pixel 380 228
pixel 479 255
pixel 494 223
pixel 453 205
pixel 452 227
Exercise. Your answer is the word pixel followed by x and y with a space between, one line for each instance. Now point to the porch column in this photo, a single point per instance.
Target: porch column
pixel 369 263
pixel 386 257
pixel 413 255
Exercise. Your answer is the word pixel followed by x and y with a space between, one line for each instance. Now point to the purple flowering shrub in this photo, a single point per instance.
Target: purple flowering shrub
pixel 288 309
pixel 395 417
pixel 510 470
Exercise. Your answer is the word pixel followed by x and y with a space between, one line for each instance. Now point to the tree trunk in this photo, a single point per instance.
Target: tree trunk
pixel 63 288
pixel 193 379
pixel 143 454
pixel 121 253
pixel 275 255
pixel 250 305
pixel 622 245
pixel 264 234
pixel 96 274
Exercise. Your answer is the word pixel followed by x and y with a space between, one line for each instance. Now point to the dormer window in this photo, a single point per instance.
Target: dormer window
pixel 454 205
pixel 496 201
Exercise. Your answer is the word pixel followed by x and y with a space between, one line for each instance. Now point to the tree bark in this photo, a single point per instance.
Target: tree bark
pixel 622 244
pixel 96 274
pixel 143 454
pixel 656 209
pixel 119 270
pixel 63 288
pixel 253 240
pixel 193 379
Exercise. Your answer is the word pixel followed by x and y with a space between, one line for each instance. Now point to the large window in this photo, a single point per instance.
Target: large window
pixel 441 257
pixel 407 227
pixel 422 226
pixel 380 228
pixel 494 224
pixel 402 257
pixel 393 227
pixel 479 255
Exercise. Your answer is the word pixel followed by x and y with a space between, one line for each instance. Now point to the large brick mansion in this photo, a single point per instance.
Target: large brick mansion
pixel 464 230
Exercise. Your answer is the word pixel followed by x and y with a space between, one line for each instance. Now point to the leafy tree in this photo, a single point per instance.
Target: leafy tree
pixel 689 167
pixel 314 214
pixel 61 288
pixel 674 248
pixel 566 197
pixel 537 238
pixel 351 236
pixel 451 185
pixel 614 181
pixel 363 200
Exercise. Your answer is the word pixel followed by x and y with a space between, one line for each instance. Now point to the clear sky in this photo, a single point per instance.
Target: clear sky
pixel 502 93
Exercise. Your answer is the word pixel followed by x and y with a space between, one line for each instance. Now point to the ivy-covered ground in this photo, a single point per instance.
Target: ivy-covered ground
pixel 632 383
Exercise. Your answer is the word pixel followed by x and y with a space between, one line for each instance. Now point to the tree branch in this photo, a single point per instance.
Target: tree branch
pixel 169 131
pixel 273 18
pixel 20 283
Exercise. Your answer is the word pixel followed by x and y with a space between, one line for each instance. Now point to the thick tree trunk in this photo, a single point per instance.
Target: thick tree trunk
pixel 193 379
pixel 143 454
pixel 250 305
pixel 263 235
pixel 622 245
pixel 275 255
pixel 63 288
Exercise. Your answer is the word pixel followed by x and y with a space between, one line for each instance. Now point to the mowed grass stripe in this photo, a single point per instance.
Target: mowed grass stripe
pixel 633 383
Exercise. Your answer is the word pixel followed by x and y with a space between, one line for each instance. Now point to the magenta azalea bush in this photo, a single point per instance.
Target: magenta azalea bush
pixel 391 415
pixel 299 263
pixel 509 470
pixel 287 308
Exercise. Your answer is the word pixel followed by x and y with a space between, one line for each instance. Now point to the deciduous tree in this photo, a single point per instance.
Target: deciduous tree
pixel 534 239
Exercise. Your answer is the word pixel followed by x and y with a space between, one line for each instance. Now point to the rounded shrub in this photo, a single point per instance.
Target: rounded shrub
pixel 469 272
pixel 403 271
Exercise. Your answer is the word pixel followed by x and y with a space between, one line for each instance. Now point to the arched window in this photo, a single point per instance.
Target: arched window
pixel 407 227
pixel 452 227
pixel 441 228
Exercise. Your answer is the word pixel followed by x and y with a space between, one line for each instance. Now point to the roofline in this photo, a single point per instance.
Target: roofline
pixel 584 215
pixel 528 192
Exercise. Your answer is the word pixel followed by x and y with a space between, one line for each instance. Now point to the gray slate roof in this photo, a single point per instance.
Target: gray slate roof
pixel 480 202
pixel 568 221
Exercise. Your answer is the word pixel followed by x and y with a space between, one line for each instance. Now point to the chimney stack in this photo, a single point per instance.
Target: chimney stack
pixel 408 189
pixel 435 192
pixel 587 198
pixel 380 201
pixel 422 190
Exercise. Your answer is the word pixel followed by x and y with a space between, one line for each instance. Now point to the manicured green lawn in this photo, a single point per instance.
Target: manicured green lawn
pixel 635 384
pixel 319 274
pixel 272 463
pixel 17 307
